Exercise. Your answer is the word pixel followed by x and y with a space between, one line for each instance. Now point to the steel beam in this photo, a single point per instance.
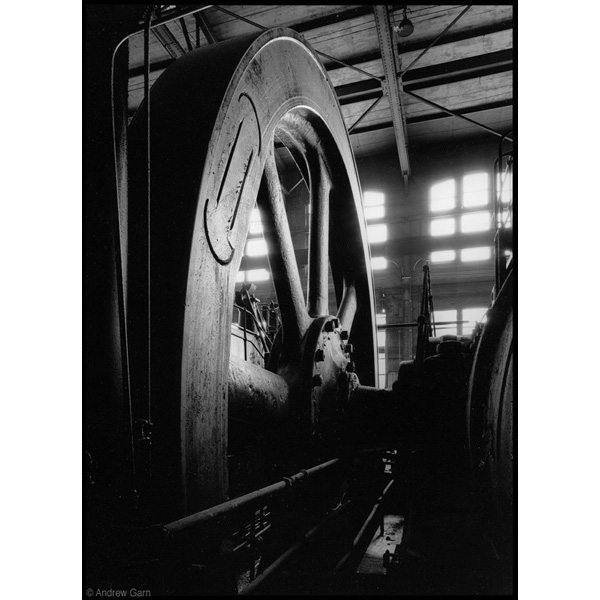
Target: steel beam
pixel 393 85
pixel 207 30
pixel 365 113
pixel 186 34
pixel 168 40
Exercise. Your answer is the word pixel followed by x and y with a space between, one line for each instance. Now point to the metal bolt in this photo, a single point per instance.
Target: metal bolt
pixel 319 355
pixel 317 380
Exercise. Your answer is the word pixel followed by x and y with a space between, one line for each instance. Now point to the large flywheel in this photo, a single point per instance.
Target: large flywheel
pixel 216 117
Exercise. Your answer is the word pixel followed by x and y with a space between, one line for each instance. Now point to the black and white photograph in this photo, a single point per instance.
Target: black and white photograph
pixel 299 294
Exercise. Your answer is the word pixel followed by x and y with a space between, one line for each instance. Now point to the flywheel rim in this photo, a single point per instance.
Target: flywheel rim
pixel 218 235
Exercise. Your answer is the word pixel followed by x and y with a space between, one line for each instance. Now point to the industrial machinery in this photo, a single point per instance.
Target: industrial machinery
pixel 208 473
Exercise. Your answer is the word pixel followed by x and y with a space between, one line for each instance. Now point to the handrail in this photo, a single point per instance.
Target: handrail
pixel 196 519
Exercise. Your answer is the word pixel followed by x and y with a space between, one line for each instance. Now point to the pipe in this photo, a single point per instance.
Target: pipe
pixel 199 518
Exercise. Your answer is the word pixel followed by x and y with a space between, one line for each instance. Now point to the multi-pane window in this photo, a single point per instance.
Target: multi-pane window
pixel 443 196
pixel 256 227
pixel 379 263
pixel 475 190
pixel 255 246
pixel 374 205
pixel 504 206
pixel 445 322
pixel 443 256
pixel 252 276
pixel 450 321
pixel 456 206
pixel 473 316
pixel 475 254
pixel 443 227
pixel 476 221
pixel 377 233
pixel 381 340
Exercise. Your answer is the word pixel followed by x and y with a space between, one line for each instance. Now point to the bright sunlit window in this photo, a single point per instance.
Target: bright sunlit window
pixel 377 233
pixel 442 256
pixel 378 263
pixel 381 320
pixel 374 212
pixel 257 275
pixel 374 198
pixel 473 316
pixel 477 221
pixel 255 222
pixel 257 247
pixel 446 316
pixel 506 192
pixel 443 195
pixel 443 227
pixel 374 205
pixel 474 254
pixel 476 190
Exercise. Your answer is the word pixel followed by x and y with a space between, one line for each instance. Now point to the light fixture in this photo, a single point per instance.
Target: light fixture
pixel 406 27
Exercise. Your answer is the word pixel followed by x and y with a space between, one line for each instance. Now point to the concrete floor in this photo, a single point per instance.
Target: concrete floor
pixel 372 561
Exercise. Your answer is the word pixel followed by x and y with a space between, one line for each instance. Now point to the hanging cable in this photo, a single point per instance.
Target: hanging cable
pixel 147 21
pixel 121 287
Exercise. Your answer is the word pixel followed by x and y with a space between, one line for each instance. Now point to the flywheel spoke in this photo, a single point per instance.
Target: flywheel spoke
pixel 348 305
pixel 282 258
pixel 318 244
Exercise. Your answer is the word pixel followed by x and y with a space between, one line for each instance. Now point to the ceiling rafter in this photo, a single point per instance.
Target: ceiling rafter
pixel 393 86
pixel 169 42
pixel 435 116
pixel 479 49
